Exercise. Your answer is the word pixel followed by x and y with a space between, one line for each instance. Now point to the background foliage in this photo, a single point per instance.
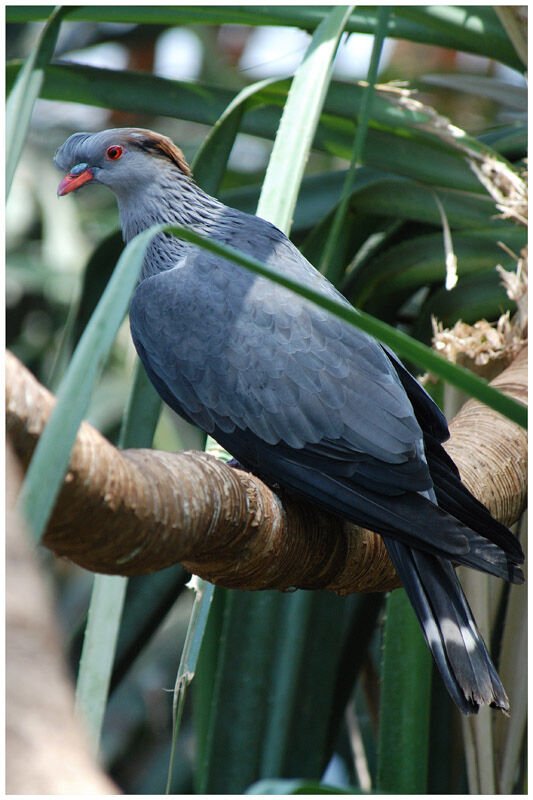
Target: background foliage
pixel 287 687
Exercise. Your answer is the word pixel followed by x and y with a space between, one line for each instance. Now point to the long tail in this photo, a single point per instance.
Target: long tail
pixel 449 628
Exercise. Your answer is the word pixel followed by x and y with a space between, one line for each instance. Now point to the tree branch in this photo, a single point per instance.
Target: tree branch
pixel 136 511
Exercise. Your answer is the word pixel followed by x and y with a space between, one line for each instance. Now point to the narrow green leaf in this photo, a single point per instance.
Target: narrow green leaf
pixel 133 91
pixel 508 140
pixel 472 29
pixel 96 275
pixel 206 683
pixel 516 31
pixel 98 652
pixel 404 702
pixel 299 121
pixel 475 297
pixel 25 92
pixel 354 238
pixel 333 270
pixel 211 159
pixel 514 651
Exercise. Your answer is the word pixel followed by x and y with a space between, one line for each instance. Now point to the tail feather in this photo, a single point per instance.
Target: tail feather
pixel 449 628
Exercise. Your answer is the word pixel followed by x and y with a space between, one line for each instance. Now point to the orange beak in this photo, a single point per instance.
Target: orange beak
pixel 77 176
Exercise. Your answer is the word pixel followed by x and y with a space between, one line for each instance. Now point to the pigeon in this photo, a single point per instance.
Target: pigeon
pixel 299 397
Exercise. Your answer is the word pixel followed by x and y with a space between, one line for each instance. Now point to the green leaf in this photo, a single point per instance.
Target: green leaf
pixel 515 29
pixel 130 91
pixel 26 91
pixel 420 261
pixel 514 651
pixel 212 157
pixel 98 652
pixel 274 686
pixel 299 121
pixel 293 629
pixel 96 276
pixel 404 702
pixel 509 140
pixel 406 199
pixel 475 297
pixel 141 413
pixel 330 266
pixel 244 667
pixel 205 683
pixel 474 29
pixel 149 598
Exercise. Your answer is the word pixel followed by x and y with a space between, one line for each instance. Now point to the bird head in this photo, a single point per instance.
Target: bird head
pixel 124 159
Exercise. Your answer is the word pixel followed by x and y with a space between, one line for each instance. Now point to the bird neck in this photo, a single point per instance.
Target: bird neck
pixel 173 198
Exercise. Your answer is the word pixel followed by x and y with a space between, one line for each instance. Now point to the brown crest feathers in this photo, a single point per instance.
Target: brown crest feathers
pixel 159 145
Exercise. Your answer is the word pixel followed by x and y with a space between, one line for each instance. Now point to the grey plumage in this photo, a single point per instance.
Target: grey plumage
pixel 298 396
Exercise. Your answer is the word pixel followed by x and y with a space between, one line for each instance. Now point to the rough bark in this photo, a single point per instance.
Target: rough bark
pixel 137 511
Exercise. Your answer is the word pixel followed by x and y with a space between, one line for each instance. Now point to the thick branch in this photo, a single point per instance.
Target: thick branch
pixel 137 511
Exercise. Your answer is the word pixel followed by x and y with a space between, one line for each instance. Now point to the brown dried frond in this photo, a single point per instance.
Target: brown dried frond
pixel 486 348
pixel 516 286
pixel 506 187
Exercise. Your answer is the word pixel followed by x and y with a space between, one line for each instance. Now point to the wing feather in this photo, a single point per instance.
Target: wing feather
pixel 237 351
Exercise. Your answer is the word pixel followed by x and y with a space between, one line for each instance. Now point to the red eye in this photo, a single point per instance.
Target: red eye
pixel 114 152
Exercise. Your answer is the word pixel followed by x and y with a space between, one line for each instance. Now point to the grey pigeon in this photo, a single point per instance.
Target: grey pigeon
pixel 296 395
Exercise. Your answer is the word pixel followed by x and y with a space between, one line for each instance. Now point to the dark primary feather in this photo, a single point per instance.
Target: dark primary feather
pixel 306 400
